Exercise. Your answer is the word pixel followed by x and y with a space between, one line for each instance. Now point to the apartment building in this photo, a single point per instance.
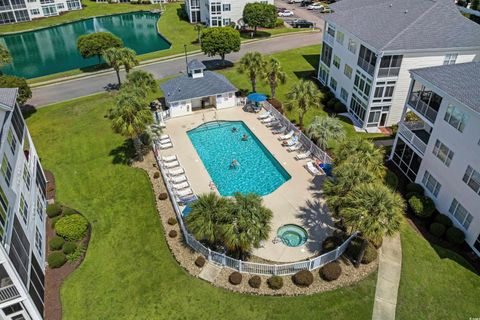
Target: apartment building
pixel 22 217
pixel 369 46
pixel 217 13
pixel 439 145
pixel 12 11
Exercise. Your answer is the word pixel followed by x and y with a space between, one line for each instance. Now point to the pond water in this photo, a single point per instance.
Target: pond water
pixel 54 49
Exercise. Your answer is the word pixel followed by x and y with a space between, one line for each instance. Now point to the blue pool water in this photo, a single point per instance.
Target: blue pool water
pixel 259 172
pixel 292 235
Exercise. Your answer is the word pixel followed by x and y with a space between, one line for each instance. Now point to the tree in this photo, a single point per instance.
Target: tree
pixel 94 44
pixel 198 28
pixel 143 80
pixel 117 57
pixel 5 57
pixel 220 41
pixel 474 5
pixel 129 59
pixel 326 128
pixel 374 210
pixel 274 75
pixel 253 65
pixel 303 96
pixel 24 91
pixel 260 15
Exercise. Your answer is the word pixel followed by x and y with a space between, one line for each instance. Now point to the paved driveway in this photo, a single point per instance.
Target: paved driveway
pixel 301 13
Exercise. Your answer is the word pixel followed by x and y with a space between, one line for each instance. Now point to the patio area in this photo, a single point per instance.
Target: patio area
pixel 297 201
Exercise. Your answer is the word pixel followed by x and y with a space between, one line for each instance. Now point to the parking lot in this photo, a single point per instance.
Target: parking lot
pixel 301 13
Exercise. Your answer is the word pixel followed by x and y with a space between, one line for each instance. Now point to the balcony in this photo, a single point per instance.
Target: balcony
pixel 8 293
pixel 365 65
pixel 415 102
pixel 388 72
pixel 415 134
pixel 328 38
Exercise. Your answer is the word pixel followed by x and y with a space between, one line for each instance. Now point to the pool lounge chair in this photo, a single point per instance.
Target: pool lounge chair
pixel 273 123
pixel 169 158
pixel 180 186
pixel 164 136
pixel 163 141
pixel 268 120
pixel 186 200
pixel 290 142
pixel 286 136
pixel 279 130
pixel 178 179
pixel 175 172
pixel 296 147
pixel 313 169
pixel 303 155
pixel 170 165
pixel 183 193
pixel 166 145
pixel 264 115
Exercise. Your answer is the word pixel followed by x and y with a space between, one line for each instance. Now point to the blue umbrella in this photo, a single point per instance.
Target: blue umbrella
pixel 257 97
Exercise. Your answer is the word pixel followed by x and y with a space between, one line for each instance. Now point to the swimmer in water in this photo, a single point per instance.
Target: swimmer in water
pixel 234 129
pixel 234 164
pixel 245 137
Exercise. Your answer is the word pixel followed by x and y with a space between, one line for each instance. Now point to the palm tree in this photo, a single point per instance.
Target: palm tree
pixel 374 210
pixel 274 75
pixel 253 65
pixel 118 57
pixel 129 59
pixel 303 96
pixel 198 28
pixel 326 128
pixel 207 213
pixel 143 80
pixel 5 57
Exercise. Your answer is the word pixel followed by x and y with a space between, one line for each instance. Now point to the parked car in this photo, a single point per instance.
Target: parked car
pixel 316 6
pixel 286 13
pixel 302 24
pixel 294 1
pixel 306 3
pixel 281 9
pixel 326 10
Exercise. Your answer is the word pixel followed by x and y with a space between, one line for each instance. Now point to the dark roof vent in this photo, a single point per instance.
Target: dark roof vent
pixel 406 11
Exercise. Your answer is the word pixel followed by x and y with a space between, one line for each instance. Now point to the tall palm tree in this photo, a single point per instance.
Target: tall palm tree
pixel 198 28
pixel 5 57
pixel 326 128
pixel 374 210
pixel 303 96
pixel 129 59
pixel 274 75
pixel 143 80
pixel 253 65
pixel 113 57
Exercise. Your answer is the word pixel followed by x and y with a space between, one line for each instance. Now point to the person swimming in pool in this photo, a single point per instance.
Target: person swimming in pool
pixel 244 137
pixel 234 164
pixel 234 129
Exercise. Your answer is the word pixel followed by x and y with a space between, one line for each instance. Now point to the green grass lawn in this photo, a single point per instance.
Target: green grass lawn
pixel 128 272
pixel 436 283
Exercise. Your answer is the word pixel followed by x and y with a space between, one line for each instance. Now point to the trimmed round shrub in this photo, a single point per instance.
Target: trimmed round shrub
pixel 339 107
pixel 275 282
pixel 411 194
pixel 414 187
pixel 370 254
pixel 172 233
pixel 69 247
pixel 255 282
pixel 353 251
pixel 172 221
pixel 55 220
pixel 331 103
pixel 391 180
pixel 331 271
pixel 331 243
pixel 54 210
pixel 437 229
pixel 303 278
pixel 163 196
pixel 56 259
pixel 422 206
pixel 69 211
pixel 235 278
pixel 56 243
pixel 156 175
pixel 455 235
pixel 279 23
pixel 72 228
pixel 444 220
pixel 200 261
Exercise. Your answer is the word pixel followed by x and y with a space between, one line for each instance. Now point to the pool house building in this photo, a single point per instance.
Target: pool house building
pixel 12 11
pixel 198 89
pixel 440 147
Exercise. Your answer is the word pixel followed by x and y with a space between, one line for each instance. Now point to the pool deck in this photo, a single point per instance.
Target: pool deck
pixel 298 201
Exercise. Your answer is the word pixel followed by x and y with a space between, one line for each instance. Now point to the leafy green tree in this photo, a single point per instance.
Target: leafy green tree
pixel 253 65
pixel 129 59
pixel 5 57
pixel 303 96
pixel 274 75
pixel 142 79
pixel 260 15
pixel 220 41
pixel 94 44
pixel 325 129
pixel 374 210
pixel 118 57
pixel 474 5
pixel 24 91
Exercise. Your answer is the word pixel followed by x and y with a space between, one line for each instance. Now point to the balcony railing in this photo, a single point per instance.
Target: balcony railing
pixel 424 109
pixel 328 38
pixel 365 65
pixel 405 130
pixel 388 72
pixel 8 293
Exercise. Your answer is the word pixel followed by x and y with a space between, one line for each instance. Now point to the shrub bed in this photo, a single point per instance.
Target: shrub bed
pixel 55 220
pixel 331 271
pixel 370 254
pixel 156 175
pixel 54 210
pixel 200 261
pixel 163 196
pixel 172 233
pixel 56 243
pixel 303 278
pixel 235 278
pixel 69 247
pixel 444 220
pixel 391 180
pixel 172 221
pixel 56 259
pixel 455 235
pixel 339 107
pixel 255 282
pixel 422 206
pixel 414 187
pixel 275 282
pixel 72 228
pixel 331 243
pixel 437 229
pixel 69 211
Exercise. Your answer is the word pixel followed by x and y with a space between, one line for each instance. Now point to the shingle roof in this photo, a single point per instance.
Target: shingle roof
pixel 406 24
pixel 8 97
pixel 461 81
pixel 185 87
pixel 195 65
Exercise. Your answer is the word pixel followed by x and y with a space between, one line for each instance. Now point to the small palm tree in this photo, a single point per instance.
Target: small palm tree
pixel 374 210
pixel 129 59
pixel 253 65
pixel 5 57
pixel 113 57
pixel 143 80
pixel 198 28
pixel 303 96
pixel 274 75
pixel 326 128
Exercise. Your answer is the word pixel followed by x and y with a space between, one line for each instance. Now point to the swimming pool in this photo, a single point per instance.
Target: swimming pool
pixel 258 171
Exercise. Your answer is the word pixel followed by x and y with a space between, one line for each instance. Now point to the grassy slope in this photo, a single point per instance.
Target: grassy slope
pixel 436 283
pixel 129 272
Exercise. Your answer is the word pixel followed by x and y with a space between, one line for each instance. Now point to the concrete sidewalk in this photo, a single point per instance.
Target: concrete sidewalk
pixel 389 272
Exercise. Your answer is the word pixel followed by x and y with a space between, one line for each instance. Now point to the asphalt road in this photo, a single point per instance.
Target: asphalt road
pixel 76 88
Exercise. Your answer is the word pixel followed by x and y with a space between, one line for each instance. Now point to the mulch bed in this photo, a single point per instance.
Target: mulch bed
pixel 51 187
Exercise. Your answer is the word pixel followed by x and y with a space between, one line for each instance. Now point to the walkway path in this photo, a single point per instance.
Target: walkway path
pixel 389 271
pixel 76 88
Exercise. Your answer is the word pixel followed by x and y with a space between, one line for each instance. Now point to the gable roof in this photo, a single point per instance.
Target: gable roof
pixel 396 25
pixel 461 81
pixel 8 98
pixel 195 65
pixel 185 87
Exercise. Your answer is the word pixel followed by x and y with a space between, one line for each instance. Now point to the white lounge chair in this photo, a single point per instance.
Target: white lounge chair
pixel 170 165
pixel 164 136
pixel 279 130
pixel 169 158
pixel 166 146
pixel 286 136
pixel 291 142
pixel 273 123
pixel 183 193
pixel 180 186
pixel 264 115
pixel 268 120
pixel 303 155
pixel 296 147
pixel 313 169
pixel 175 172
pixel 163 141
pixel 178 179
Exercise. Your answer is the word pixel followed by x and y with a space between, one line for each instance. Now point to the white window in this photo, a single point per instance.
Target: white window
pixel 443 152
pixel 60 6
pixel 384 91
pixel 3 211
pixel 6 169
pixel 472 179
pixel 450 58
pixel 352 46
pixel 362 85
pixel 38 242
pixel 226 22
pixel 216 21
pixel 336 61
pixel 431 183
pixel 344 95
pixel 26 176
pixel 215 8
pixel 347 71
pixel 12 142
pixel 333 84
pixel 460 214
pixel 456 118
pixel 23 209
pixel 40 208
pixel 34 12
pixel 323 74
pixel 226 7
pixel 340 37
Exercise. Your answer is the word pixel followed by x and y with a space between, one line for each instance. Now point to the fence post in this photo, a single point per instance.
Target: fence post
pixel 239 265
pixel 275 270
pixel 209 257
pixel 310 265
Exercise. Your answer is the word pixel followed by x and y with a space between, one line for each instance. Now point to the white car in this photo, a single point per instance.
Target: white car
pixel 315 6
pixel 286 13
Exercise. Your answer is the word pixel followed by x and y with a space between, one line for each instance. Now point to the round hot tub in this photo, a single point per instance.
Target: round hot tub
pixel 292 235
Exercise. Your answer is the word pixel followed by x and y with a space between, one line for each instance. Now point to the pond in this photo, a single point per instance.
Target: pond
pixel 54 49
